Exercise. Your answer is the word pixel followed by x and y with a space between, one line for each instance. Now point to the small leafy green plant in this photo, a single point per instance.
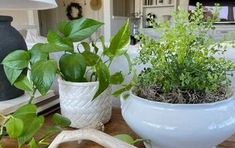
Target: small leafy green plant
pixel 73 66
pixel 183 67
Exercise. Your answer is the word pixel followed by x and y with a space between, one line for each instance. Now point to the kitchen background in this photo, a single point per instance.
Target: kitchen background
pixel 112 12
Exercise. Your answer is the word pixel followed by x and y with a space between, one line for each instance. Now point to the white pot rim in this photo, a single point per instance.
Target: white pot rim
pixel 178 106
pixel 61 81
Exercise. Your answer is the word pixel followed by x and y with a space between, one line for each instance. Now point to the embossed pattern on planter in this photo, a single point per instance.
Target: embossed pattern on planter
pixel 77 105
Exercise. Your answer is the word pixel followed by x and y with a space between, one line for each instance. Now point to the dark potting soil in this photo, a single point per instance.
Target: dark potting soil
pixel 176 96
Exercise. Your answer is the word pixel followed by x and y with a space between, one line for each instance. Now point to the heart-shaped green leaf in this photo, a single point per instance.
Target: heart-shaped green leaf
pixel 38 53
pixel 61 120
pixel 12 74
pixel 72 67
pixel 96 49
pixel 119 41
pixel 126 138
pixel 31 129
pixel 81 29
pixel 18 59
pixel 32 123
pixel 91 58
pixel 14 127
pixel 103 42
pixel 103 75
pixel 59 43
pixel 32 143
pixel 62 27
pixel 121 90
pixel 26 113
pixel 23 83
pixel 128 58
pixel 86 46
pixel 116 78
pixel 43 75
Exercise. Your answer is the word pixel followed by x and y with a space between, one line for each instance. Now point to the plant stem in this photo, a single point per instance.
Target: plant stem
pixel 19 145
pixel 110 63
pixel 32 96
pixel 43 143
pixel 6 118
pixel 93 74
pixel 106 61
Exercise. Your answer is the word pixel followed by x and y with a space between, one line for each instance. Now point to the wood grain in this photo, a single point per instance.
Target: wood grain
pixel 116 126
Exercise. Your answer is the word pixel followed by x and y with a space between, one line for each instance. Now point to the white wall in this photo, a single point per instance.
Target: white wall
pixel 24 19
pixel 107 18
pixel 50 18
pixel 89 13
pixel 116 23
pixel 112 23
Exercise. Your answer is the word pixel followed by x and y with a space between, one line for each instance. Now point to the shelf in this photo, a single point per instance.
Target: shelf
pixel 158 6
pixel 149 6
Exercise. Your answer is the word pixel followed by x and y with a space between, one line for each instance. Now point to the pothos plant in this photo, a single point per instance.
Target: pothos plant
pixel 183 66
pixel 34 70
pixel 23 125
pixel 73 65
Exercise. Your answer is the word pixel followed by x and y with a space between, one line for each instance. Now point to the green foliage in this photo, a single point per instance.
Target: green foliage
pixel 91 58
pixel 18 59
pixel 86 46
pixel 128 58
pixel 31 129
pixel 38 54
pixel 60 120
pixel 14 127
pixel 80 29
pixel 27 116
pixel 128 86
pixel 123 89
pixel 23 83
pixel 104 77
pixel 119 41
pixel 43 74
pixel 72 67
pixel 184 56
pixel 59 43
pixel 128 139
pixel 26 113
pixel 25 123
pixel 12 74
pixel 33 144
pixel 117 78
pixel 15 63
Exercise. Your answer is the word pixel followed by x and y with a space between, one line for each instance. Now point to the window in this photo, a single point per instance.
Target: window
pixel 123 8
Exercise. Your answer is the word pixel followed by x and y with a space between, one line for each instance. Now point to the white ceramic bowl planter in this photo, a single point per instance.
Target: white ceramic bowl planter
pixel 180 125
pixel 77 105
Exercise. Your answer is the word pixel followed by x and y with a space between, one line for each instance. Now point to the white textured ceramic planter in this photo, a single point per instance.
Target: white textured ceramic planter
pixel 77 105
pixel 180 125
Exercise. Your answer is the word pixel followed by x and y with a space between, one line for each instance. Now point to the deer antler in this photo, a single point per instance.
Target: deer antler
pixel 89 134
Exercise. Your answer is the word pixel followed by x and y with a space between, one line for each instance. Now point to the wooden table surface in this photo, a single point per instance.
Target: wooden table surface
pixel 116 126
